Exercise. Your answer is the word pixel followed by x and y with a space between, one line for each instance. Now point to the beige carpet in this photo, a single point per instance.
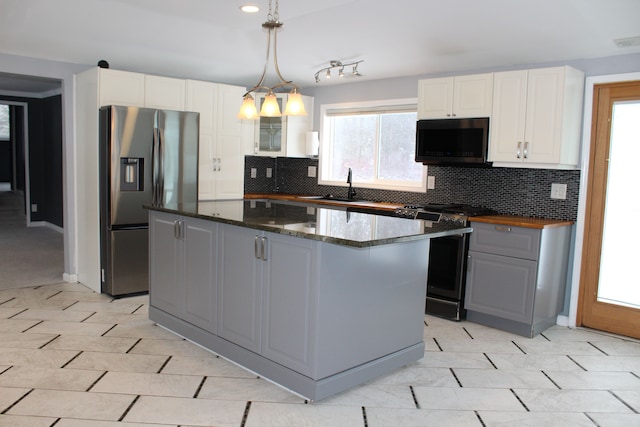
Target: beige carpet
pixel 28 256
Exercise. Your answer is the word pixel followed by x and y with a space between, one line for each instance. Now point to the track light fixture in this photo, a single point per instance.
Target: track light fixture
pixel 340 66
pixel 270 107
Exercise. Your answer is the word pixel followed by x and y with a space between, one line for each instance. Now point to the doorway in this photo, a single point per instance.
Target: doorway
pixel 609 286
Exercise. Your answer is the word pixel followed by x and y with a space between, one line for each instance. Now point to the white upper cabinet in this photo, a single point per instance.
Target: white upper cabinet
pixel 536 118
pixel 223 138
pixel 282 136
pixel 120 88
pixel 455 97
pixel 164 92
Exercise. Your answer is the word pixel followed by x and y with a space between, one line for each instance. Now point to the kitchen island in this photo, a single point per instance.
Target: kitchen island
pixel 317 300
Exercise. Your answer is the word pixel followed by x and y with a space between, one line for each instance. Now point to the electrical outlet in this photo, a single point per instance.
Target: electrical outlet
pixel 34 207
pixel 431 182
pixel 254 172
pixel 311 171
pixel 269 172
pixel 559 191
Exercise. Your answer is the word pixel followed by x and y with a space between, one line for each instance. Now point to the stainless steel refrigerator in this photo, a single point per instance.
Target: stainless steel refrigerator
pixel 147 156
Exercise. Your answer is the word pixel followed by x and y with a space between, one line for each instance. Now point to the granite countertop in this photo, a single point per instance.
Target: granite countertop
pixel 316 222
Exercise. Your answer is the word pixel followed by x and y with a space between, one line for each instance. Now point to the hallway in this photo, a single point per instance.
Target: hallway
pixel 28 255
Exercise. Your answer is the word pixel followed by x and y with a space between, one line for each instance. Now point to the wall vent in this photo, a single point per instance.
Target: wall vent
pixel 628 42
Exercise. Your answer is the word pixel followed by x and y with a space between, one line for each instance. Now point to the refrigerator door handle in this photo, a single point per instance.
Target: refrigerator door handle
pixel 160 166
pixel 154 168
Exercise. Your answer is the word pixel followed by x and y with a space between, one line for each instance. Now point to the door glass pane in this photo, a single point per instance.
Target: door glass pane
pixel 619 283
pixel 270 138
pixel 4 122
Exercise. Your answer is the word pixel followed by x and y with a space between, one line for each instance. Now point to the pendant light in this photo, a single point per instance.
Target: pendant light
pixel 270 107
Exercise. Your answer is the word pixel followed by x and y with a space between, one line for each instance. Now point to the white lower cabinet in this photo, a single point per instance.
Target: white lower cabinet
pixel 265 294
pixel 184 266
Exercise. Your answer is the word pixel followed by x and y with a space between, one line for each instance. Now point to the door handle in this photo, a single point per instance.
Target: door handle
pixel 526 149
pixel 178 229
pixel 260 248
pixel 518 149
pixel 264 248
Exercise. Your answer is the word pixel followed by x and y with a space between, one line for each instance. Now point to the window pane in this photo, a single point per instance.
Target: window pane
pixel 4 122
pixel 354 145
pixel 397 148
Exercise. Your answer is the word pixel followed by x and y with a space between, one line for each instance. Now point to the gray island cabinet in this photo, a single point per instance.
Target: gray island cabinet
pixel 316 300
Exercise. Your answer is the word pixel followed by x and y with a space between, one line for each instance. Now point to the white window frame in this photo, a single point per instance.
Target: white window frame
pixel 379 106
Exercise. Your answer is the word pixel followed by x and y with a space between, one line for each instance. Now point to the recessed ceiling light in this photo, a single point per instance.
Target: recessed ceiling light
pixel 249 8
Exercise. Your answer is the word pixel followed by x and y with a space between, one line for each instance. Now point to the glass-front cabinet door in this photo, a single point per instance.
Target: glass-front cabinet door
pixel 270 132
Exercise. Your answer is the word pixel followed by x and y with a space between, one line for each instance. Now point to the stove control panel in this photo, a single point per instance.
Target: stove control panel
pixel 416 212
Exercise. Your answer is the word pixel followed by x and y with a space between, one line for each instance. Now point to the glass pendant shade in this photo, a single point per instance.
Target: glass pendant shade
pixel 270 107
pixel 248 110
pixel 295 106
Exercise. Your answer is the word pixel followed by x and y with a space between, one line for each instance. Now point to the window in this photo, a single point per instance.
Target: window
pixel 4 123
pixel 376 140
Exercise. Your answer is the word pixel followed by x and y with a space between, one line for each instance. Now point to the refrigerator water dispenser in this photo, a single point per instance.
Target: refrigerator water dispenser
pixel 131 174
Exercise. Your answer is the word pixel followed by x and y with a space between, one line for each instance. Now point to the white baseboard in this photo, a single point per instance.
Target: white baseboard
pixel 46 224
pixel 69 277
pixel 562 320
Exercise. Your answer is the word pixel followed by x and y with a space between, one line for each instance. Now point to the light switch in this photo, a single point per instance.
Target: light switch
pixel 431 182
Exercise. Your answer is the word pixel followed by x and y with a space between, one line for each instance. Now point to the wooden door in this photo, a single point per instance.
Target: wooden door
pixel 595 311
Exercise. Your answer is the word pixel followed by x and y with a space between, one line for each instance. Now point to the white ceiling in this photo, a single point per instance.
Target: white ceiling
pixel 212 40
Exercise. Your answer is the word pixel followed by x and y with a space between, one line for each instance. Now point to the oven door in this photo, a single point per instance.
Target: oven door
pixel 447 267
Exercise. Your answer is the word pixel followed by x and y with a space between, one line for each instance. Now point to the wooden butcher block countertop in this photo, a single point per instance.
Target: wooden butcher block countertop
pixel 521 221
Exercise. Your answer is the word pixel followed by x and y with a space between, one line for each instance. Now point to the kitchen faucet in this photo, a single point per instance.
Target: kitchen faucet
pixel 351 191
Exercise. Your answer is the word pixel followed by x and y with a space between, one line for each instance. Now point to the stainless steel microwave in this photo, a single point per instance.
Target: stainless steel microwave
pixel 452 141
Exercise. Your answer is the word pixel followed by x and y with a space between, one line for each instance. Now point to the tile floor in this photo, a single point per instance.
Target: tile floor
pixel 73 358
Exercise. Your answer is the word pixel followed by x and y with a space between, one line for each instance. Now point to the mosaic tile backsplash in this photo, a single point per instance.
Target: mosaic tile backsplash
pixel 513 191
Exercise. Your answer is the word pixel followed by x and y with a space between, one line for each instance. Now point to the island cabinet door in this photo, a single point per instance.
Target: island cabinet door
pixel 239 282
pixel 200 267
pixel 289 301
pixel 166 260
